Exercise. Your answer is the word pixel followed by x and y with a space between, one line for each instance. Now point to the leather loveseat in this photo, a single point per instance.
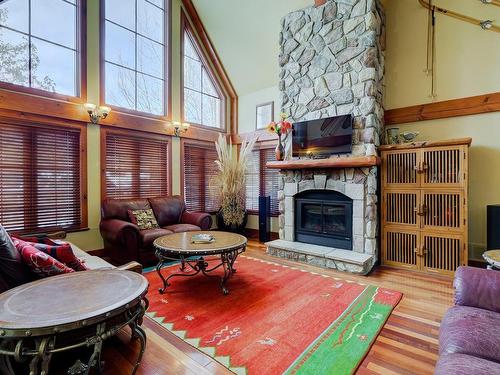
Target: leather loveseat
pixel 125 242
pixel 469 337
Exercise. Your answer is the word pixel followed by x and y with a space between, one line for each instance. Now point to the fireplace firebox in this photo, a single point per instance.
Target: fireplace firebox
pixel 324 218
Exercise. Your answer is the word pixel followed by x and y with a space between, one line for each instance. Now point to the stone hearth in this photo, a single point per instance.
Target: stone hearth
pixel 332 63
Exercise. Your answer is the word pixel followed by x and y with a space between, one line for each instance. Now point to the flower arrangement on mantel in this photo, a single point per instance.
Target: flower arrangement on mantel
pixel 283 127
pixel 230 182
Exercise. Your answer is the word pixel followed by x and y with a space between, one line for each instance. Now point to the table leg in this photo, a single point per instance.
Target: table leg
pixel 228 260
pixel 159 266
pixel 95 358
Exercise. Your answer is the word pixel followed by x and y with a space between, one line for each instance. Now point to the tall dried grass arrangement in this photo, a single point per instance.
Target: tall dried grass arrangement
pixel 230 181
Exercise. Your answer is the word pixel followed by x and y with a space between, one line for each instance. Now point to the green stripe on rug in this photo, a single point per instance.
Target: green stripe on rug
pixel 343 345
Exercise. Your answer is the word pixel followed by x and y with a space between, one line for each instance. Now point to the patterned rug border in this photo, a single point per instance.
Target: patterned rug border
pixel 226 360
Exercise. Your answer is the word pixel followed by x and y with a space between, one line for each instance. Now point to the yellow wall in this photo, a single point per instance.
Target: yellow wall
pixel 91 239
pixel 467 65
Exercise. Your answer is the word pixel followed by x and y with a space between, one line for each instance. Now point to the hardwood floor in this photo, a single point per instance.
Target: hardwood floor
pixel 408 343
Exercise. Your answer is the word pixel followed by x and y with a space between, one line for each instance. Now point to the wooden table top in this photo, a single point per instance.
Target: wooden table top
pixel 69 298
pixel 181 242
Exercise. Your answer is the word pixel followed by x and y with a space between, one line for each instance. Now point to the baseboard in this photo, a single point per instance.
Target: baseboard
pixel 253 234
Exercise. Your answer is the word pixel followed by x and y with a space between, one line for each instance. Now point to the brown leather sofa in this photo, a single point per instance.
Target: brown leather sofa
pixel 124 242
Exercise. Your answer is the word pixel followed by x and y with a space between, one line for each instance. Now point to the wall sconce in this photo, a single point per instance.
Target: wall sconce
pixel 180 128
pixel 96 114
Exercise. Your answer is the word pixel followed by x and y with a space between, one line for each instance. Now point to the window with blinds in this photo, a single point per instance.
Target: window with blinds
pixel 262 181
pixel 136 166
pixel 199 168
pixel 40 178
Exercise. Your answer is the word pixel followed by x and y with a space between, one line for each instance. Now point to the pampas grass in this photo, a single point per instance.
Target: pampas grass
pixel 230 180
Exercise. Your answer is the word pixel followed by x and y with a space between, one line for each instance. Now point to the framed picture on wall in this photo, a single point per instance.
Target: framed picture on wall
pixel 264 115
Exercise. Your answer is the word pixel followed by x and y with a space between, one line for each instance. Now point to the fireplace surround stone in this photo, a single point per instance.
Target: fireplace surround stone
pixel 332 63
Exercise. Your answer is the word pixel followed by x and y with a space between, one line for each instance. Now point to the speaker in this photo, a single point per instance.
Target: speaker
pixel 264 222
pixel 493 227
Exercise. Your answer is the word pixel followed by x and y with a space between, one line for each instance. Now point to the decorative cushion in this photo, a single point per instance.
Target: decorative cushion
pixel 144 219
pixel 12 269
pixel 40 263
pixel 61 251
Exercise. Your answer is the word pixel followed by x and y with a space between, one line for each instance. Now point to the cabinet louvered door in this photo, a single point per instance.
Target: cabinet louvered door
pixel 443 210
pixel 443 167
pixel 399 248
pixel 400 207
pixel 442 253
pixel 400 169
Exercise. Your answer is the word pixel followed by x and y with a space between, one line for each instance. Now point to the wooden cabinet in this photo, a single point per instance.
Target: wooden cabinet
pixel 424 205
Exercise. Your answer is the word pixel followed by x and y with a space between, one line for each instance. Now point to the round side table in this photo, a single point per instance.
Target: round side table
pixel 70 311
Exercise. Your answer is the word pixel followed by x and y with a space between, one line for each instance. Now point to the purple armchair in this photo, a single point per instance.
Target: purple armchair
pixel 469 337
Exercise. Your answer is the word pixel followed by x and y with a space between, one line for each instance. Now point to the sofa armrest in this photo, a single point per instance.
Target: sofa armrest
pixel 117 231
pixel 476 287
pixel 202 220
pixel 132 266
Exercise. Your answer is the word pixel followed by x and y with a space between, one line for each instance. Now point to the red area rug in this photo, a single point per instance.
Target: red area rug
pixel 276 319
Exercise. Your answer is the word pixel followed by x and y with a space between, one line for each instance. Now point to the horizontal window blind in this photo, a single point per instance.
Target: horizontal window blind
pixel 261 181
pixel 40 187
pixel 136 167
pixel 199 169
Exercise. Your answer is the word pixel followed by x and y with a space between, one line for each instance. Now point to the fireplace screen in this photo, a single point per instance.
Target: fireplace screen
pixel 324 218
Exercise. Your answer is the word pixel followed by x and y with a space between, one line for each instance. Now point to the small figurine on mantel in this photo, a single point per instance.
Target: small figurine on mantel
pixel 281 128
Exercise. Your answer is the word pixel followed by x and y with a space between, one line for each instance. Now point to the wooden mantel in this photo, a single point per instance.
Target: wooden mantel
pixel 342 162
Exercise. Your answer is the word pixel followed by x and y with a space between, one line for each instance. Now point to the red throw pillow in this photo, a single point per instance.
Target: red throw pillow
pixel 60 251
pixel 39 262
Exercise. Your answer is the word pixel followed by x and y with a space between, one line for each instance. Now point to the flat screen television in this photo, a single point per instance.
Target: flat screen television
pixel 322 138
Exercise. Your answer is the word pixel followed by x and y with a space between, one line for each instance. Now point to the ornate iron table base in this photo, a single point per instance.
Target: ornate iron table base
pixel 193 265
pixel 40 349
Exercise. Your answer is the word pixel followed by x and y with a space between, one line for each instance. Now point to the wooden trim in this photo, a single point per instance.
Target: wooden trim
pixel 134 133
pixel 220 71
pixel 347 162
pixel 426 144
pixel 257 110
pixel 128 118
pixel 262 135
pixel 450 108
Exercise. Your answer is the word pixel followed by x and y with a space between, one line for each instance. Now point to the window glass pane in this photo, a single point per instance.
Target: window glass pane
pixel 120 86
pixel 149 94
pixel 120 46
pixel 208 86
pixel 54 20
pixel 15 14
pixel 14 57
pixel 150 57
pixel 189 48
pixel 158 3
pixel 53 67
pixel 150 21
pixel 192 106
pixel 192 74
pixel 121 12
pixel 210 108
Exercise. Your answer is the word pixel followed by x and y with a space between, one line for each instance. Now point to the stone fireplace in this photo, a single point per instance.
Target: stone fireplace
pixel 332 63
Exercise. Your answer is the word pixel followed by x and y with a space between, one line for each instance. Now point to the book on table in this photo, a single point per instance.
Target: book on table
pixel 202 238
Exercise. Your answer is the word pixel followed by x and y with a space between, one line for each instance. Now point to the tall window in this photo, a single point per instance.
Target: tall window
pixel 203 104
pixel 40 178
pixel 262 181
pixel 135 62
pixel 199 168
pixel 136 166
pixel 39 45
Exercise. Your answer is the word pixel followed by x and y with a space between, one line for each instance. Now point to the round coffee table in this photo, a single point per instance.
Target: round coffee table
pixel 69 311
pixel 179 246
pixel 493 259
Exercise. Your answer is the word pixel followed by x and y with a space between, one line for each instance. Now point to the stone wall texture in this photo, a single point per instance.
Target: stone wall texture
pixel 332 63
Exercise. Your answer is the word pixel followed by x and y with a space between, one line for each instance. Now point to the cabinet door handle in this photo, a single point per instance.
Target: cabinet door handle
pixel 421 210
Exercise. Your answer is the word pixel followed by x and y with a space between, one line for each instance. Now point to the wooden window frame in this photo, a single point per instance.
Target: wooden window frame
pixel 129 117
pixel 33 120
pixel 186 28
pixel 199 143
pixel 41 102
pixel 133 133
